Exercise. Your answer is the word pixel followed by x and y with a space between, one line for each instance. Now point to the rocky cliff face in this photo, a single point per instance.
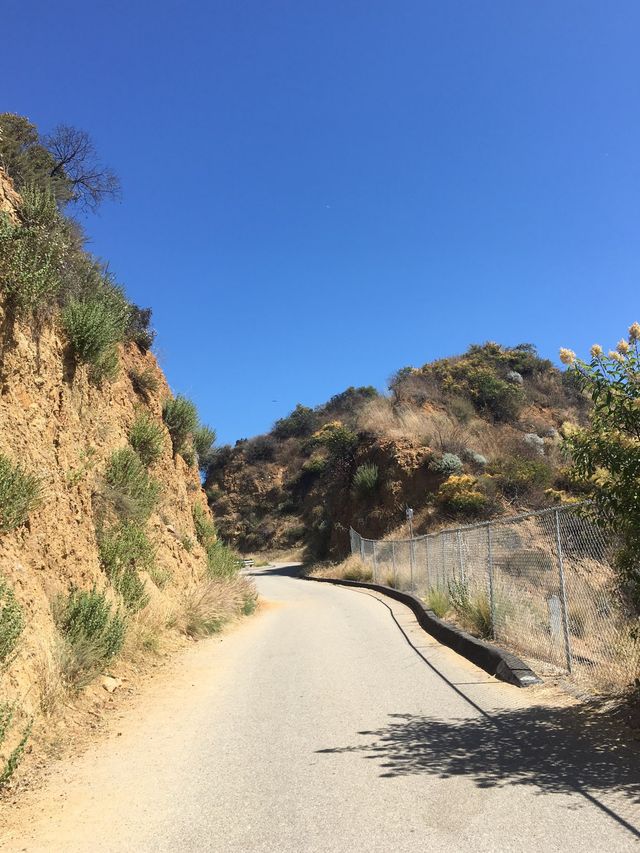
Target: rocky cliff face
pixel 64 432
pixel 59 426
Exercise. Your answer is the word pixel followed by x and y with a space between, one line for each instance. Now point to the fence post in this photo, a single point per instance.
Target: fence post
pixel 492 603
pixel 393 560
pixel 412 559
pixel 362 549
pixel 375 563
pixel 443 573
pixel 428 545
pixel 563 596
pixel 460 558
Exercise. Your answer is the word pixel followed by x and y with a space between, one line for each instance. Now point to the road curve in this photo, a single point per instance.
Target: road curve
pixel 330 722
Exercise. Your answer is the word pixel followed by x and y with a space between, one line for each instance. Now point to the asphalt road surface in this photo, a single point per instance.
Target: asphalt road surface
pixel 331 722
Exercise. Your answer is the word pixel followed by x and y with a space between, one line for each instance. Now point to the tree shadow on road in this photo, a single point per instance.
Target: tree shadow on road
pixel 587 748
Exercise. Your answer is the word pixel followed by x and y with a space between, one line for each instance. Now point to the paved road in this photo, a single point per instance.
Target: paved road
pixel 318 726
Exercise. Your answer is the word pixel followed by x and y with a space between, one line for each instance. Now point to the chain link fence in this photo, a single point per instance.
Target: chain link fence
pixel 541 584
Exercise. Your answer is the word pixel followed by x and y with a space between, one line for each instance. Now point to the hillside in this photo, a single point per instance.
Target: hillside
pixel 459 439
pixel 108 552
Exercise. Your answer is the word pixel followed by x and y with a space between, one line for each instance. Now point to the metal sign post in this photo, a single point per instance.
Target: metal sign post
pixel 412 557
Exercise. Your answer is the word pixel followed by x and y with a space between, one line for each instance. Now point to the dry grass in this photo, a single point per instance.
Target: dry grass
pixel 352 569
pixel 210 604
pixel 147 630
pixel 430 427
pixel 49 679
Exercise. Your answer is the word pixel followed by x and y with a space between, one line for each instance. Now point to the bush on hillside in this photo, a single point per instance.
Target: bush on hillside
pixel 20 494
pixel 93 631
pixel 139 328
pixel 124 551
pixel 95 324
pixel 144 382
pixel 350 399
pixel 299 423
pixel 204 439
pixel 260 449
pixel 447 464
pixel 520 478
pixel 315 465
pixel 8 767
pixel 11 620
pixel 222 561
pixel 146 436
pixel 484 375
pixel 365 479
pixel 460 495
pixel 30 265
pixel 339 440
pixel 204 526
pixel 181 417
pixel 132 491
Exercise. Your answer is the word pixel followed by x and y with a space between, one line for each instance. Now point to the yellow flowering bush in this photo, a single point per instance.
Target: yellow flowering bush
pixel 459 494
pixel 606 454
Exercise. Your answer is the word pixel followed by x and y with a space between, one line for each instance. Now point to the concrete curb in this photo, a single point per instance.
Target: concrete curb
pixel 490 658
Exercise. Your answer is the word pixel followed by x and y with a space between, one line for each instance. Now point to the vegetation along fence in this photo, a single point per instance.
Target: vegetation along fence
pixel 541 584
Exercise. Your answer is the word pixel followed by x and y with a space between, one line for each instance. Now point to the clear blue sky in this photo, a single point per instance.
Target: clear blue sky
pixel 319 193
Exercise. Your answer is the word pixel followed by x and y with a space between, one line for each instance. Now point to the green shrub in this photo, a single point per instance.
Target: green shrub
pixel 336 437
pixel 132 491
pixel 474 611
pixel 204 526
pixel 480 375
pixel 30 261
pixel 460 495
pixel 181 417
pixel 301 422
pixel 160 575
pixel 11 621
pixel 438 601
pixel 124 551
pixel 222 561
pixel 146 436
pixel 106 368
pixel 7 713
pixel 139 328
pixel 260 449
pixel 189 456
pixel 447 464
pixel 518 477
pixel 315 465
pixel 187 543
pixel 365 479
pixel 95 323
pixel 20 493
pixel 145 382
pixel 250 603
pixel 203 440
pixel 94 634
pixel 128 583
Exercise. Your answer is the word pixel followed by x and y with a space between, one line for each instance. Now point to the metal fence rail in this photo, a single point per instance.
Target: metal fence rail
pixel 543 583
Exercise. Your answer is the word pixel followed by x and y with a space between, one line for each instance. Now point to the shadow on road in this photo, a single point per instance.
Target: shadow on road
pixel 290 571
pixel 582 749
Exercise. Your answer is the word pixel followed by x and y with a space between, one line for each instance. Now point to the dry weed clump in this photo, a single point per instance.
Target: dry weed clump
pixel 210 604
pixel 429 427
pixel 351 569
